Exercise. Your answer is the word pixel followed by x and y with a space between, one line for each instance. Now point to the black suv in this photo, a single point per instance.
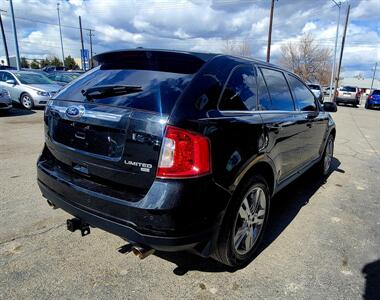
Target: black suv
pixel 178 150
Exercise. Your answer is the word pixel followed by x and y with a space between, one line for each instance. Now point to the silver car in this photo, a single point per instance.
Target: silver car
pixel 28 88
pixel 5 100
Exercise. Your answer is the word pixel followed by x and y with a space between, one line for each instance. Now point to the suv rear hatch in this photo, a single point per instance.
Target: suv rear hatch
pixel 108 125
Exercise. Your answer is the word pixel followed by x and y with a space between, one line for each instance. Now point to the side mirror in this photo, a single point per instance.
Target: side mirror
pixel 330 107
pixel 11 81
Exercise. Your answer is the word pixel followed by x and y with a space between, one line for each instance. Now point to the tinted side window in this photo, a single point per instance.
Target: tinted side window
pixel 304 97
pixel 240 92
pixel 278 89
pixel 2 76
pixel 264 99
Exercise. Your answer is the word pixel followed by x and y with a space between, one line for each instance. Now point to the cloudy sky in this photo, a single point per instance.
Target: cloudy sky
pixel 194 25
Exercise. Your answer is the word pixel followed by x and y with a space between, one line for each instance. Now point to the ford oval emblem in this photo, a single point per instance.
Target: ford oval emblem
pixel 75 111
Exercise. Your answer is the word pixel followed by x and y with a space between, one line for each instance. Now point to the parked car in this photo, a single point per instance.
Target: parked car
pixel 28 88
pixel 49 69
pixel 373 100
pixel 347 95
pixel 5 100
pixel 326 91
pixel 317 91
pixel 63 78
pixel 180 150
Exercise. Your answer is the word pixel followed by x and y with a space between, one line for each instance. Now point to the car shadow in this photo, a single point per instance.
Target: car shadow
pixel 371 273
pixel 16 111
pixel 284 208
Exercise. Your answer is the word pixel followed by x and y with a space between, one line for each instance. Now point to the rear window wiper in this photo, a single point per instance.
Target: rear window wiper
pixel 103 91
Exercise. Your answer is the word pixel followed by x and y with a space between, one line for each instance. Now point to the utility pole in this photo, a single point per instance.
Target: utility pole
pixel 341 50
pixel 4 39
pixel 91 35
pixel 60 34
pixel 373 77
pixel 81 40
pixel 15 35
pixel 335 49
pixel 270 31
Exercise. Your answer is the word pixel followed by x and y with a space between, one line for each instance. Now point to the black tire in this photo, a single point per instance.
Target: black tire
pixel 27 104
pixel 321 167
pixel 225 250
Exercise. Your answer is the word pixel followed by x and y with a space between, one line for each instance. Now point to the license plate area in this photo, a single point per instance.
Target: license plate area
pixel 90 138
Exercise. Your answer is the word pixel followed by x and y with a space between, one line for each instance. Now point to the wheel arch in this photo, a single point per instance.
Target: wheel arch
pixel 261 166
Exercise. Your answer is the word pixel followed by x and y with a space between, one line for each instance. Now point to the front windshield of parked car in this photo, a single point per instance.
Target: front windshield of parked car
pixel 29 78
pixel 376 92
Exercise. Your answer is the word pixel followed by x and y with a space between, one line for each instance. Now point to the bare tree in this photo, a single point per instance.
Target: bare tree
pixel 237 47
pixel 307 59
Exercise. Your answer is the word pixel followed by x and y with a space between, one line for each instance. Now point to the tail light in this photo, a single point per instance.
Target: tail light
pixel 184 154
pixel 369 97
pixel 336 93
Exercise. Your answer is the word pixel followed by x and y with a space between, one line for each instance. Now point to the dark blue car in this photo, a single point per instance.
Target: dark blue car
pixel 373 100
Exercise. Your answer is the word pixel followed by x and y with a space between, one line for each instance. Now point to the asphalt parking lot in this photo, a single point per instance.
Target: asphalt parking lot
pixel 323 239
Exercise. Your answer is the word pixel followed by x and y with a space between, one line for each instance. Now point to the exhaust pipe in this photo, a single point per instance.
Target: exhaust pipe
pixel 51 204
pixel 141 252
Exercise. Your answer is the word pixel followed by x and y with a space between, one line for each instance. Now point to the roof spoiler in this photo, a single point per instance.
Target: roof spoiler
pixel 158 60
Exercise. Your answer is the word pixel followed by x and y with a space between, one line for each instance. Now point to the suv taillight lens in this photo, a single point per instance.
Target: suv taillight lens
pixel 184 154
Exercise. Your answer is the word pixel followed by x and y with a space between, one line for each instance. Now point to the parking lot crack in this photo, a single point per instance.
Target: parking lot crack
pixel 33 234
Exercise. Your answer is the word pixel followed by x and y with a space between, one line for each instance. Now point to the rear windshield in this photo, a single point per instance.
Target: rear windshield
pixel 348 89
pixel 159 89
pixel 314 87
pixel 376 92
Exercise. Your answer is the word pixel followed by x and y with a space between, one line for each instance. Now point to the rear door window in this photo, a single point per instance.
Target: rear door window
pixel 305 98
pixel 279 92
pixel 240 92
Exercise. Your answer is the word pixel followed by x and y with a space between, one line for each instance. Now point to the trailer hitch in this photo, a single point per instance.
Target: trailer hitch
pixel 77 224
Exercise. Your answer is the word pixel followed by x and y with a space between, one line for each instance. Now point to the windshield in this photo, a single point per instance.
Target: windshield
pixel 376 92
pixel 314 86
pixel 158 90
pixel 30 78
pixel 348 89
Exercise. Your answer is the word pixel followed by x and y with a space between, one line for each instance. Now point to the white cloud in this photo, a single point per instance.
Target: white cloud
pixel 193 25
pixel 309 26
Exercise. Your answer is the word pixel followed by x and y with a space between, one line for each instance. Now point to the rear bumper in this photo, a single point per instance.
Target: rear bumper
pixel 347 100
pixel 373 104
pixel 172 216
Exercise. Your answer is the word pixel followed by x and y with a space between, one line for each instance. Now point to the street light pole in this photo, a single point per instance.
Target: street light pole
pixel 373 77
pixel 15 35
pixel 4 40
pixel 335 49
pixel 270 31
pixel 60 34
pixel 342 49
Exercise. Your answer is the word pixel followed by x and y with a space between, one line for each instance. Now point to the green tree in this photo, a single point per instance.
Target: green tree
pixel 24 63
pixel 45 62
pixel 34 64
pixel 70 63
pixel 56 62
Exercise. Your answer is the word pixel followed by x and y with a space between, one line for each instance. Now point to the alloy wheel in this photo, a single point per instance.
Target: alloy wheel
pixel 328 156
pixel 27 101
pixel 249 220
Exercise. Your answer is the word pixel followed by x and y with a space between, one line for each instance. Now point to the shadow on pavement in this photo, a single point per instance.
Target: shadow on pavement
pixel 16 111
pixel 371 273
pixel 284 208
